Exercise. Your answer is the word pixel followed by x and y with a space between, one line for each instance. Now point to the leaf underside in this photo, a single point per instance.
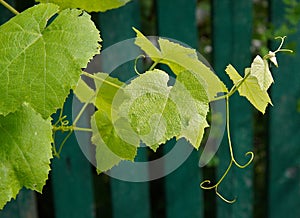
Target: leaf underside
pixel 111 147
pixel 158 112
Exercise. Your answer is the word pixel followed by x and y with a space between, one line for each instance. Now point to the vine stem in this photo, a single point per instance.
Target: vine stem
pixel 9 7
pixel 232 161
pixel 229 140
pixel 100 79
pixel 233 89
pixel 153 65
pixel 68 128
pixel 75 128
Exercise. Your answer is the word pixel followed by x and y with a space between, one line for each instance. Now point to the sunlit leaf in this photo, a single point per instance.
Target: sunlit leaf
pixel 260 70
pixel 88 5
pixel 250 89
pixel 180 58
pixel 40 62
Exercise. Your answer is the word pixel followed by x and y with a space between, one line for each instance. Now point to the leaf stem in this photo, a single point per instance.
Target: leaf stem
pixel 63 143
pixel 153 65
pixel 81 111
pixel 102 80
pixel 75 128
pixel 9 7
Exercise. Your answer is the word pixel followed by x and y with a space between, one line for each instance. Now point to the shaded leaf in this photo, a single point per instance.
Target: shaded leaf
pixel 158 112
pixel 110 135
pixel 83 92
pixel 25 152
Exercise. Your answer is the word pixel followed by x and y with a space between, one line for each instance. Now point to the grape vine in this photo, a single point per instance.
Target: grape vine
pixel 148 108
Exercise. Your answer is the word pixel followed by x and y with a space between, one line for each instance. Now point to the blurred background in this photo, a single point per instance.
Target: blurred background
pixel 223 31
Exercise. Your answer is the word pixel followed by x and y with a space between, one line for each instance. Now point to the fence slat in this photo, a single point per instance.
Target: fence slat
pixel 23 207
pixel 177 20
pixel 284 132
pixel 128 199
pixel 232 32
pixel 72 179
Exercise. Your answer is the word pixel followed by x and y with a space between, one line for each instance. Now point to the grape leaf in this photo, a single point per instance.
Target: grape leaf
pixel 250 89
pixel 273 58
pixel 157 112
pixel 84 92
pixel 40 62
pixel 260 70
pixel 190 89
pixel 25 152
pixel 88 5
pixel 111 147
pixel 180 58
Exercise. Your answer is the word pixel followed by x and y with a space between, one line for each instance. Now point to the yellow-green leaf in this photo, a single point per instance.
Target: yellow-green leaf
pixel 110 134
pixel 250 89
pixel 157 112
pixel 260 70
pixel 179 59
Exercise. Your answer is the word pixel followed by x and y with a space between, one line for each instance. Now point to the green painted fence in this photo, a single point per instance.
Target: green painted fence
pixel 74 189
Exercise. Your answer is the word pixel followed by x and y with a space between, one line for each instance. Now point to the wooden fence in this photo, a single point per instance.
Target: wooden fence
pixel 268 188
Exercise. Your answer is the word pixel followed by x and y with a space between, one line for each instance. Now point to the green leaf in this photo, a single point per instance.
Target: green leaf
pixel 158 112
pixel 180 58
pixel 149 109
pixel 260 70
pixel 110 135
pixel 83 92
pixel 40 62
pixel 250 89
pixel 88 5
pixel 191 93
pixel 25 152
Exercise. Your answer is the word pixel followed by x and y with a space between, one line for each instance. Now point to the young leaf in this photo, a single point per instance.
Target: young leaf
pixel 40 62
pixel 111 148
pixel 88 5
pixel 273 58
pixel 25 152
pixel 180 58
pixel 250 89
pixel 260 70
pixel 157 112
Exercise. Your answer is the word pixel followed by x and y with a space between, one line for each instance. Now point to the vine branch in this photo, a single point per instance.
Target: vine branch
pixel 205 184
pixel 9 7
pixel 102 80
